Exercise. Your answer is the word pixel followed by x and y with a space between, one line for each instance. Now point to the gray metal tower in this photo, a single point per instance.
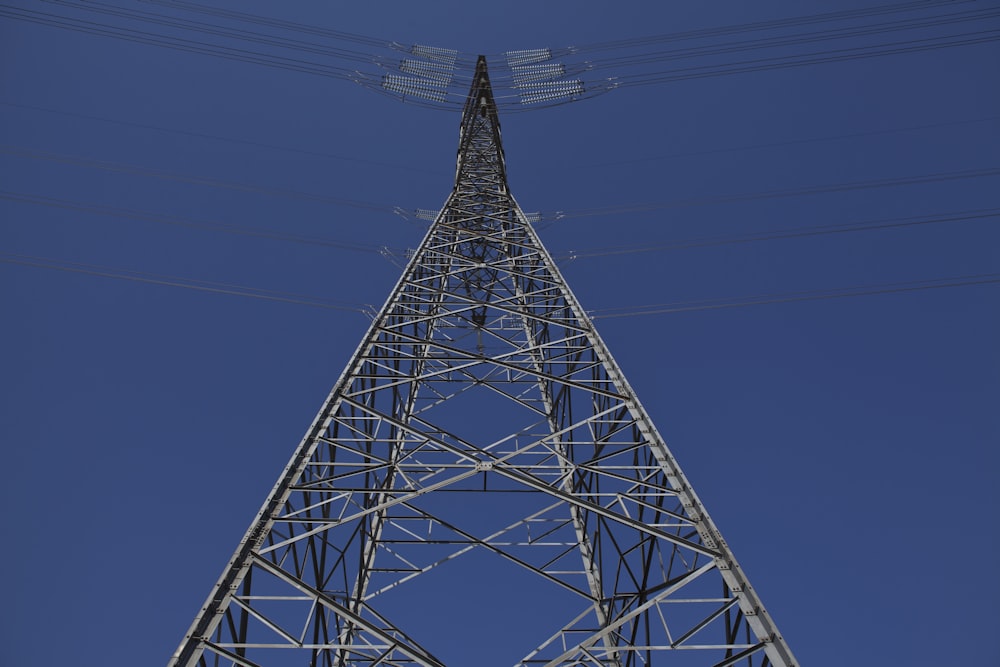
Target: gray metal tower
pixel 482 449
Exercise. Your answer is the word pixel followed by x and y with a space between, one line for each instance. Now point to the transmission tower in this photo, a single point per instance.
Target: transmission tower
pixel 482 438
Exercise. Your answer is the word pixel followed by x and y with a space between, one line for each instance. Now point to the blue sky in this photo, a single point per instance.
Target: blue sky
pixel 846 447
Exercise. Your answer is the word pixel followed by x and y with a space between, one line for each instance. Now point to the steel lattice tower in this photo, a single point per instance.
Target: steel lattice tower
pixel 482 415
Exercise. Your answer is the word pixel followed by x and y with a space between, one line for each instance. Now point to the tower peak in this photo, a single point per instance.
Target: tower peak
pixel 480 148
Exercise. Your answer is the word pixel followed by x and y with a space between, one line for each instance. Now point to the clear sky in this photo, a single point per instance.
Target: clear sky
pixel 846 447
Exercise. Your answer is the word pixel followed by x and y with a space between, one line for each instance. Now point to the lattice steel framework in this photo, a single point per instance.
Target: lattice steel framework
pixel 482 415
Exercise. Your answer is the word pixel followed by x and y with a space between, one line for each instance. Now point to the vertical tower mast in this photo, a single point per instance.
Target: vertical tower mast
pixel 482 415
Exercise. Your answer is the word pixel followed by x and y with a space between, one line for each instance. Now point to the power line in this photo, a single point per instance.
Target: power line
pixel 565 256
pixel 606 313
pixel 179 44
pixel 445 94
pixel 934 21
pixel 757 26
pixel 136 170
pixel 868 184
pixel 760 26
pixel 772 42
pixel 816 58
pixel 387 165
pixel 788 233
pixel 175 281
pixel 274 23
pixel 789 297
pixel 18 151
pixel 148 216
pixel 215 137
pixel 788 142
pixel 253 37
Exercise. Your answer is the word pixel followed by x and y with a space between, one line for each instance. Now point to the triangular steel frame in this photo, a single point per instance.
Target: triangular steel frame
pixel 482 380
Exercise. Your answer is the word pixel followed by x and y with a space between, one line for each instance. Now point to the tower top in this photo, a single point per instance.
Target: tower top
pixel 479 142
